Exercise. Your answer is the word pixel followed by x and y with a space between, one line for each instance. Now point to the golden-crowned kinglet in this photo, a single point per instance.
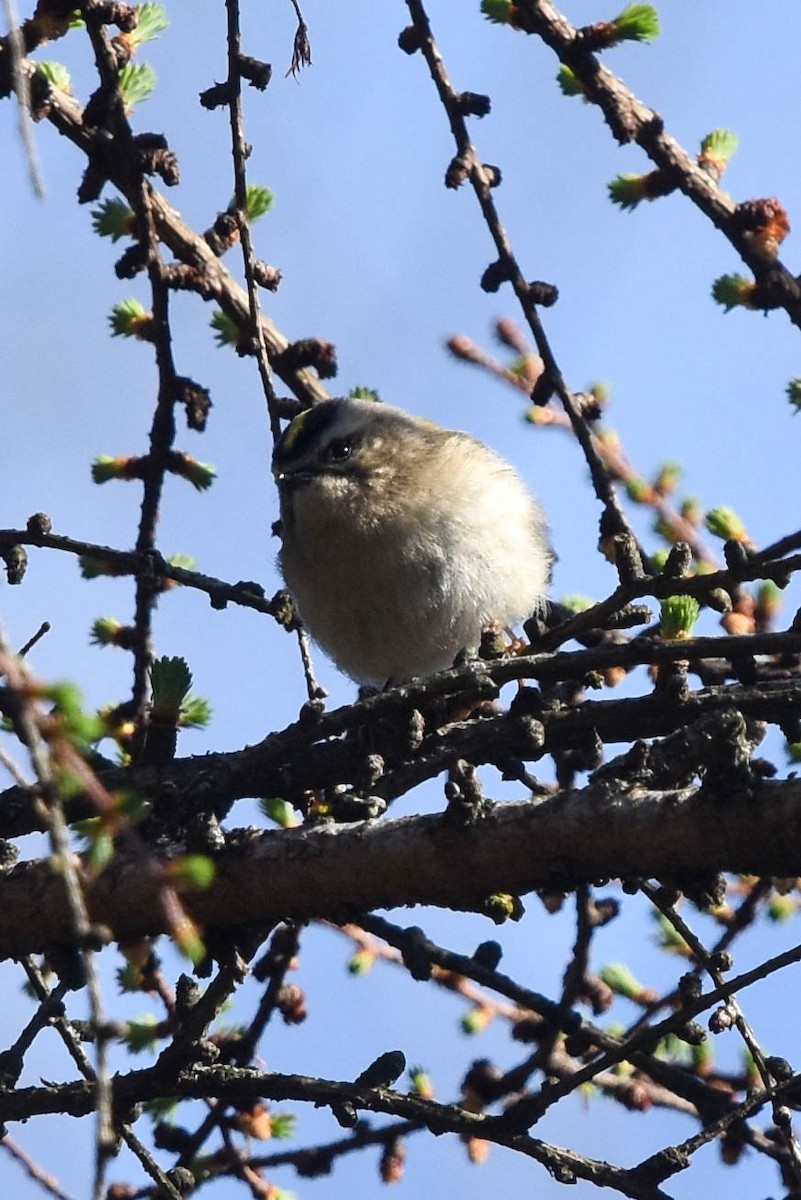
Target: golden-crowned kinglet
pixel 401 541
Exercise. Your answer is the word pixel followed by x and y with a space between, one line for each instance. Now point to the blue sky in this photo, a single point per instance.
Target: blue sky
pixel 378 257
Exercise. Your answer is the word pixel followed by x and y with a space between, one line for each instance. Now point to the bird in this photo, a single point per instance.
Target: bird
pixel 401 541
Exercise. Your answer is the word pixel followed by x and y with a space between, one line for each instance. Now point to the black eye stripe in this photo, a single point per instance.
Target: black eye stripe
pixel 306 431
pixel 311 436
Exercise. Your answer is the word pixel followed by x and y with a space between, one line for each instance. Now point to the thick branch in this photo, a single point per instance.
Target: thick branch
pixel 336 870
pixel 318 750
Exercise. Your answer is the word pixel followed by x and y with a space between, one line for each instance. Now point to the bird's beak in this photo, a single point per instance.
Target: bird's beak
pixel 293 479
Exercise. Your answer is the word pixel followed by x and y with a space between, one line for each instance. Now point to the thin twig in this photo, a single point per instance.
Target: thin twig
pixel 21 86
pixel 631 120
pixel 43 629
pixel 151 563
pixel 72 1042
pixel 616 521
pixel 208 276
pixel 573 978
pixel 239 153
pixel 705 960
pixel 33 1170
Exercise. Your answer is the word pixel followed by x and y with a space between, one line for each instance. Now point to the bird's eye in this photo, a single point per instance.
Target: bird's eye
pixel 339 450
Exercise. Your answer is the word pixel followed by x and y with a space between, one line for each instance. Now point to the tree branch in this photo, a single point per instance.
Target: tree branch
pixel 573 837
pixel 241 1084
pixel 212 279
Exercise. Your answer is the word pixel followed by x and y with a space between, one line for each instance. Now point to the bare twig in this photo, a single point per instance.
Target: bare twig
pixel 72 1042
pixel 239 152
pixel 615 520
pixel 22 89
pixel 33 1170
pixel 705 959
pixel 43 629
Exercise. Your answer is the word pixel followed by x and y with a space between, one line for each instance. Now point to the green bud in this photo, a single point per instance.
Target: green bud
pixel 609 438
pixel 93 568
pixel 226 331
pixel 663 528
pixel 114 219
pixel 141 1034
pixel 723 522
pixel 15 559
pixel 195 713
pixel 364 393
pixel 278 810
pixel 720 143
pixel 186 936
pixel 769 596
pixel 628 190
pixel 282 1126
pixel 569 83
pixel 360 963
pixel 258 201
pixel 130 806
pixel 717 148
pixel 129 978
pixel 106 467
pixel 195 872
pixel 152 20
pixel 576 603
pixel 749 1066
pixel 659 558
pixel 782 908
pixel 170 680
pixel 476 1020
pixel 669 939
pixel 130 319
pixel 678 616
pixel 84 729
pixel 502 907
pixel 668 477
pixel 500 12
pixel 200 475
pixel 719 600
pixel 637 23
pixel 619 978
pixel 421 1083
pixel 691 510
pixel 793 390
pixel 77 725
pixel 520 366
pixel 136 81
pixel 161 1109
pixel 57 74
pixel 185 561
pixel 733 291
pixel 67 782
pixel 105 631
pixel 639 490
pixel 670 1047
